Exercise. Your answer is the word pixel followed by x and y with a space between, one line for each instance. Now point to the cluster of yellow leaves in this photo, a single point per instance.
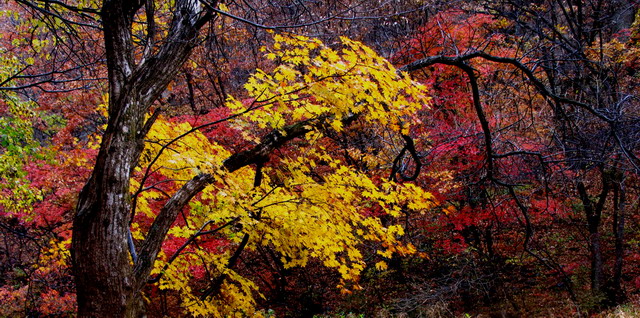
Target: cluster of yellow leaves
pixel 308 206
pixel 179 153
pixel 296 215
pixel 313 80
pixel 55 257
pixel 329 219
pixel 237 293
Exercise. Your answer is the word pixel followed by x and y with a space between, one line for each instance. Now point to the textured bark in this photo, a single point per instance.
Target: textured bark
pixel 100 228
pixel 108 284
pixel 105 278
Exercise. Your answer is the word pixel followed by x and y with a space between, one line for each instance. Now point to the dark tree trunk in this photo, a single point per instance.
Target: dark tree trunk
pixel 617 293
pixel 102 265
pixel 593 215
pixel 108 283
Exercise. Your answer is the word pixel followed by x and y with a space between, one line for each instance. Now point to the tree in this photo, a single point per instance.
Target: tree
pixel 228 157
pixel 42 161
pixel 559 146
pixel 111 269
pixel 592 141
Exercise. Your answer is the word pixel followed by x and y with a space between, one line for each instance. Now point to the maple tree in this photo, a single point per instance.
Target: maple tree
pixel 222 176
pixel 102 242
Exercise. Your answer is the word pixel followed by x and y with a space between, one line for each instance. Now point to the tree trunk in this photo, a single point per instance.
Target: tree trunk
pixel 617 293
pixel 108 283
pixel 596 261
pixel 102 264
pixel 593 215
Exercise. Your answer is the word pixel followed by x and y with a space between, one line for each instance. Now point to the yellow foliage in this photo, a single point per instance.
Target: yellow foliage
pixel 312 80
pixel 300 215
pixel 55 257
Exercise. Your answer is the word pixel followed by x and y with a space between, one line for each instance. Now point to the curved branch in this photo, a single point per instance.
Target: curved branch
pixel 160 227
pixel 411 147
pixel 537 83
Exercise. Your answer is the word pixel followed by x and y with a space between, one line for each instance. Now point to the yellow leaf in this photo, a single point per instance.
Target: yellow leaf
pixel 223 7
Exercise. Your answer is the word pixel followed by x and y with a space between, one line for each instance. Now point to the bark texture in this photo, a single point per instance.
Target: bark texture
pixel 107 281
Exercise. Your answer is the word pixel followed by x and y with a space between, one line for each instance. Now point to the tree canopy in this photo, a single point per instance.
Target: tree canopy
pixel 260 158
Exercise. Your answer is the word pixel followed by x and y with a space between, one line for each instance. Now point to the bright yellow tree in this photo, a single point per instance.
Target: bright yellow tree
pixel 309 204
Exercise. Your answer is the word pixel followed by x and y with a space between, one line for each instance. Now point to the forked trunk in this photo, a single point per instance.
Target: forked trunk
pixel 108 282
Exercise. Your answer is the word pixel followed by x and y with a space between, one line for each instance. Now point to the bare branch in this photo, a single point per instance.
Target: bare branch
pixel 455 60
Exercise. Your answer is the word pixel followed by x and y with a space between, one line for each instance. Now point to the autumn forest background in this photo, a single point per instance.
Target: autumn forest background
pixel 319 158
